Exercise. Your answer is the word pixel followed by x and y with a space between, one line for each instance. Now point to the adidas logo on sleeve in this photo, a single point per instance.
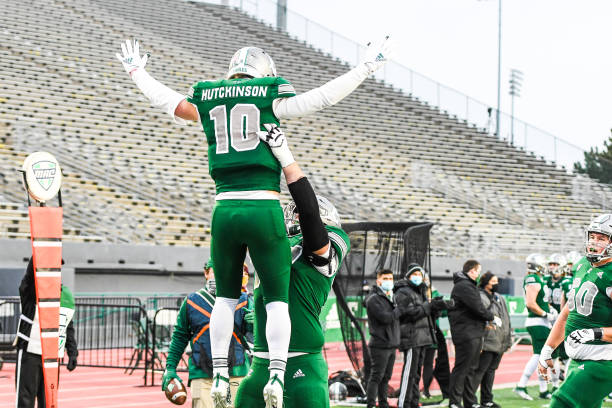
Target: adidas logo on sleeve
pixel 299 373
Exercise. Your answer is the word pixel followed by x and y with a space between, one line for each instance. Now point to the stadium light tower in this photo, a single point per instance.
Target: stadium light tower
pixel 499 20
pixel 516 81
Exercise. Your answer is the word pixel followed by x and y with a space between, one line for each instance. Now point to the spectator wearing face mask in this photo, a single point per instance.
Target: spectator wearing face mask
pixel 467 323
pixel 416 330
pixel 497 339
pixel 383 323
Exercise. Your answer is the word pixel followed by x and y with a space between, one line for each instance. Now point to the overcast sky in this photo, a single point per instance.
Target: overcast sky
pixel 563 48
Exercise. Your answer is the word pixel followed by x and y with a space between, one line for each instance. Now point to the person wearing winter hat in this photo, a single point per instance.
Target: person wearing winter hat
pixel 416 330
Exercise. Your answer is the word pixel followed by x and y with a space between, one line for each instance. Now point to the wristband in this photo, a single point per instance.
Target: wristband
pixel 597 333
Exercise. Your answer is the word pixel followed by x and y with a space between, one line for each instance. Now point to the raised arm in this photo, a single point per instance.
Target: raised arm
pixel 337 89
pixel 160 96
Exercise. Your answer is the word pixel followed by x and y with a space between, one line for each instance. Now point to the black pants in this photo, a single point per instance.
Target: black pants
pixel 411 375
pixel 441 372
pixel 466 361
pixel 380 374
pixel 485 374
pixel 29 380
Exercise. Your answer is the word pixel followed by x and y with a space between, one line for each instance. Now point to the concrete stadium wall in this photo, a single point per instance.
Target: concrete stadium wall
pixel 96 268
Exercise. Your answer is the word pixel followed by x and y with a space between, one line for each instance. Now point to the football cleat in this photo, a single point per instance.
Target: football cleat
pixel 273 392
pixel 220 392
pixel 545 395
pixel 522 392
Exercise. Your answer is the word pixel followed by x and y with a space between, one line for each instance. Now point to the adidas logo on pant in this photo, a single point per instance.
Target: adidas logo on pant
pixel 299 373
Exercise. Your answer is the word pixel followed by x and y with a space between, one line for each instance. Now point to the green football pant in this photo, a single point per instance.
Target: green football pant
pixel 258 225
pixel 586 385
pixel 305 383
pixel 538 334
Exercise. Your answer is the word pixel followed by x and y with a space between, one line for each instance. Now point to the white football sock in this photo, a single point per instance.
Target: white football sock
pixel 278 333
pixel 543 385
pixel 221 328
pixel 530 367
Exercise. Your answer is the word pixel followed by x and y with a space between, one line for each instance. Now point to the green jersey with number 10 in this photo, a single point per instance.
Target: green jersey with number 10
pixel 231 112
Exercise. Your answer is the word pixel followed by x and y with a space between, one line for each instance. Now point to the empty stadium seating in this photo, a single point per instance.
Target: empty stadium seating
pixel 134 176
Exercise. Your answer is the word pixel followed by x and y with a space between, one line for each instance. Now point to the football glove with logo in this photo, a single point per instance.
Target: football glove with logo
pixel 130 57
pixel 275 138
pixel 582 336
pixel 377 55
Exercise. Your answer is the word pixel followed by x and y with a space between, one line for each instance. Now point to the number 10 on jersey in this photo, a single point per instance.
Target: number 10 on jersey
pixel 243 127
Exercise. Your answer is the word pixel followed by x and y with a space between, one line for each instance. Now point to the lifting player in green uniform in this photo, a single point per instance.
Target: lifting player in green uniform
pixel 538 321
pixel 318 246
pixel 247 213
pixel 585 323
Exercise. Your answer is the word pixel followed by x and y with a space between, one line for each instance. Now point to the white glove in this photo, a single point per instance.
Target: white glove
pixel 552 315
pixel 545 362
pixel 497 321
pixel 275 138
pixel 131 59
pixel 578 337
pixel 377 55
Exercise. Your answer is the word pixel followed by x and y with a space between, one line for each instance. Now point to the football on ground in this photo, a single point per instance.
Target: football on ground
pixel 176 392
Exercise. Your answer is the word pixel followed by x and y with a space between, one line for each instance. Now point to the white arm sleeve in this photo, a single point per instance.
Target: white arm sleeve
pixel 326 95
pixel 158 94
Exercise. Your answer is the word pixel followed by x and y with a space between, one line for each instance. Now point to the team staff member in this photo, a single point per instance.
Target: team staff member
pixel 29 380
pixel 467 323
pixel 416 330
pixel 383 323
pixel 192 326
pixel 497 339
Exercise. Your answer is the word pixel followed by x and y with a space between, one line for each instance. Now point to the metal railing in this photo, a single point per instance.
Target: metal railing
pixel 447 99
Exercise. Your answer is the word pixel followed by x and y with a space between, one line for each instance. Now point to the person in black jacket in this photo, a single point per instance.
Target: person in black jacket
pixel 467 323
pixel 497 339
pixel 29 379
pixel 416 330
pixel 383 322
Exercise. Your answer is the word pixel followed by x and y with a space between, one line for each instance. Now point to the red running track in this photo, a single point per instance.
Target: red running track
pixel 111 388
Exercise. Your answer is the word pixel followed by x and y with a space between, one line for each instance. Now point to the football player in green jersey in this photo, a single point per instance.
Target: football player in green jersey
pixel 556 264
pixel 571 258
pixel 538 322
pixel 586 325
pixel 318 246
pixel 247 213
pixel 556 292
